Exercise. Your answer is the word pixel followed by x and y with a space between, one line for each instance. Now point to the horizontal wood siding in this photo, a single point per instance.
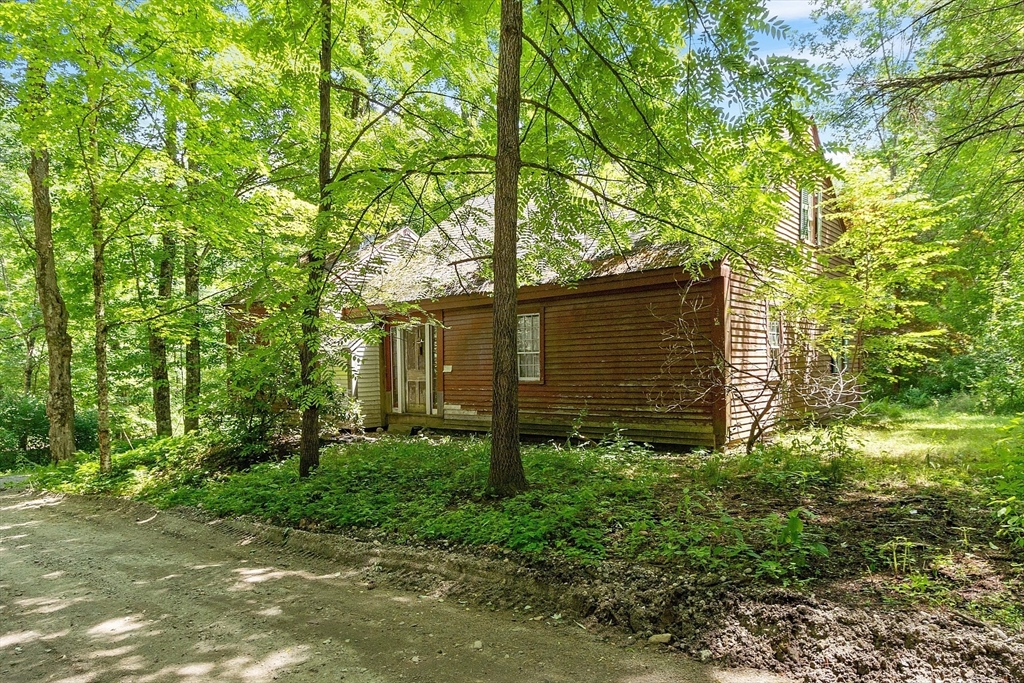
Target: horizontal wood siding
pixel 605 359
pixel 749 356
pixel 366 363
pixel 748 340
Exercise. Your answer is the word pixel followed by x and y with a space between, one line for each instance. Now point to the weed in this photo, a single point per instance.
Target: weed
pixel 729 513
pixel 897 553
pixel 919 587
pixel 792 547
pixel 1007 486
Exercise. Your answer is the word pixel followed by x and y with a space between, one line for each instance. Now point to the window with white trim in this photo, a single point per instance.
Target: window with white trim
pixel 819 226
pixel 805 215
pixel 774 331
pixel 528 347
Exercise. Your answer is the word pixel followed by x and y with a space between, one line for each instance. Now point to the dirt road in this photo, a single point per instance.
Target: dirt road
pixel 91 592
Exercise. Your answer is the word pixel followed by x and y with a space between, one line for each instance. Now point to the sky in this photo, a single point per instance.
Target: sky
pixel 797 15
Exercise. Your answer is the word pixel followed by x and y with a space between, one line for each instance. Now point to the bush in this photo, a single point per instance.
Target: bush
pixel 1007 483
pixel 883 413
pixel 163 471
pixel 86 430
pixel 814 459
pixel 915 397
pixel 25 431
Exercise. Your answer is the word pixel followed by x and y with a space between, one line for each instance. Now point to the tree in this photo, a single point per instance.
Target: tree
pixel 938 86
pixel 165 256
pixel 309 444
pixel 506 475
pixel 621 141
pixel 871 303
pixel 60 404
pixel 793 385
pixel 20 317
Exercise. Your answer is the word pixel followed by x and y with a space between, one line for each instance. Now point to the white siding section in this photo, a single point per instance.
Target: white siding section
pixel 366 371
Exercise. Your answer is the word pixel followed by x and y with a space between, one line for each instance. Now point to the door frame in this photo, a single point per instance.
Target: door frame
pixel 398 363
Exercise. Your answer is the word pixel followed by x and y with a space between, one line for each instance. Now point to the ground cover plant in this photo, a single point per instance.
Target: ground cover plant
pixel 920 510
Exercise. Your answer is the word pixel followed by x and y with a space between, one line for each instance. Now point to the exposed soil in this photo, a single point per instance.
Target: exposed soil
pixel 95 589
pixel 845 634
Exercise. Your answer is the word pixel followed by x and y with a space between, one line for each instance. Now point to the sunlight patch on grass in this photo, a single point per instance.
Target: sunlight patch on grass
pixel 928 434
pixel 929 447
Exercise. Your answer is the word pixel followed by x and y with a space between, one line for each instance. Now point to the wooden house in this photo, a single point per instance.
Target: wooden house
pixel 637 344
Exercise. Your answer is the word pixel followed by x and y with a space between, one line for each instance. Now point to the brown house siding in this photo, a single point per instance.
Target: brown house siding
pixel 748 345
pixel 604 360
pixel 748 354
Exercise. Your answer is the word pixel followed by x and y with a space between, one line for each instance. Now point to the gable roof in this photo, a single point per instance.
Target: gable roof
pixel 451 259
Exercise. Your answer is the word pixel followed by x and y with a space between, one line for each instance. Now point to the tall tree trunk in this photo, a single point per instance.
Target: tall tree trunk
pixel 193 360
pixel 165 284
pixel 27 335
pixel 99 307
pixel 506 476
pixel 309 440
pixel 193 349
pixel 60 403
pixel 158 340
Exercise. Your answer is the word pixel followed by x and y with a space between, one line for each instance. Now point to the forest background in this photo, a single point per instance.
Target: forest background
pixel 185 162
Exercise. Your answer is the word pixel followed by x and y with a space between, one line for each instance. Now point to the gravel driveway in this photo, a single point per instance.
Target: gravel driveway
pixel 89 591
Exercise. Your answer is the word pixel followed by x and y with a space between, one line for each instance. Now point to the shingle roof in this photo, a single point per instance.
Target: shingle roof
pixel 451 259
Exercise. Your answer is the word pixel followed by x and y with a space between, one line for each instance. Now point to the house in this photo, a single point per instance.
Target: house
pixel 637 343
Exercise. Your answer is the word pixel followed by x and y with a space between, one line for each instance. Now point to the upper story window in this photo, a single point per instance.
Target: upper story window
pixel 819 225
pixel 528 347
pixel 805 215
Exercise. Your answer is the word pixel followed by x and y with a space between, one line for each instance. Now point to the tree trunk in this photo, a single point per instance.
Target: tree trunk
pixel 30 362
pixel 193 360
pixel 99 307
pixel 158 340
pixel 165 285
pixel 506 476
pixel 309 440
pixel 60 404
pixel 193 348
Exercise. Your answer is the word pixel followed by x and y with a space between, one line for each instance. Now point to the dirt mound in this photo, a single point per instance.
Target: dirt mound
pixel 788 632
pixel 797 635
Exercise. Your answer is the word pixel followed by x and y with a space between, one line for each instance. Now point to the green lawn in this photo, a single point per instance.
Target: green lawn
pixel 928 434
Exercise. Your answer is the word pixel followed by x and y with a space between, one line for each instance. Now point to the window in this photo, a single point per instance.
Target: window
pixel 840 358
pixel 819 198
pixel 805 215
pixel 774 332
pixel 528 346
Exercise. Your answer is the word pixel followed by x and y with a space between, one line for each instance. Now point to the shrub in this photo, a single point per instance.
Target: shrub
pixel 24 430
pixel 86 430
pixel 164 471
pixel 882 413
pixel 584 503
pixel 915 397
pixel 818 458
pixel 1007 485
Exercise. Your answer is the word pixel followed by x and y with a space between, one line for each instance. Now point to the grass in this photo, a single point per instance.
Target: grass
pixel 920 509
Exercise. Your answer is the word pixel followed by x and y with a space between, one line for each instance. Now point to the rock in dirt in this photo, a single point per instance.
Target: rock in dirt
pixel 660 639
